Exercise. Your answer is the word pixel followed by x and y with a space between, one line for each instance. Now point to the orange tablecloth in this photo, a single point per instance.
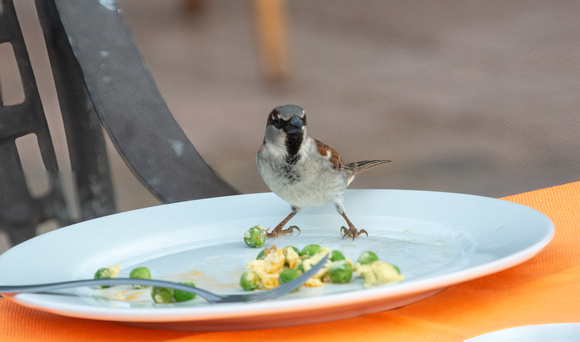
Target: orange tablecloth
pixel 545 289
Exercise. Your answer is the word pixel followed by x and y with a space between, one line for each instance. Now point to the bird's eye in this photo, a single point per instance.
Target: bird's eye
pixel 278 122
pixel 275 120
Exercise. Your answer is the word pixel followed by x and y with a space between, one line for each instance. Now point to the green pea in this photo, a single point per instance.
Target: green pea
pixel 310 250
pixel 255 237
pixel 367 258
pixel 140 273
pixel 183 296
pixel 103 273
pixel 336 255
pixel 287 275
pixel 161 295
pixel 340 272
pixel 261 255
pixel 396 269
pixel 300 269
pixel 249 281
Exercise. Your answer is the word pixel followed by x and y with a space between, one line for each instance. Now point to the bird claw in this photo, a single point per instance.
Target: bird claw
pixel 352 232
pixel 278 231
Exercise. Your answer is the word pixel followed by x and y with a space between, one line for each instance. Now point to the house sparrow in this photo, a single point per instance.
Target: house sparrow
pixel 304 171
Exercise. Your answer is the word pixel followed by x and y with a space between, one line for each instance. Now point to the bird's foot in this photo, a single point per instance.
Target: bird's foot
pixel 278 231
pixel 352 232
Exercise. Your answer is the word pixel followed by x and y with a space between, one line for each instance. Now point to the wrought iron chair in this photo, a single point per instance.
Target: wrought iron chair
pixel 101 79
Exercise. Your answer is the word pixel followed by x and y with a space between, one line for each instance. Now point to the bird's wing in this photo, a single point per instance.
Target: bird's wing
pixel 328 152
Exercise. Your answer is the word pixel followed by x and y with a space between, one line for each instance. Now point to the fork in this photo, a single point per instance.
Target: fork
pixel 209 296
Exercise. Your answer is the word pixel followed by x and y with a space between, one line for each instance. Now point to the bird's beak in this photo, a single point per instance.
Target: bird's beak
pixel 294 126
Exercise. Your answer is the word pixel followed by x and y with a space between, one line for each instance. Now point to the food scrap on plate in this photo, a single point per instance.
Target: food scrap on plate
pixel 275 266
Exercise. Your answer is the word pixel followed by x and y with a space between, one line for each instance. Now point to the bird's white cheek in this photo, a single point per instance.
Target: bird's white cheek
pixel 272 154
pixel 275 136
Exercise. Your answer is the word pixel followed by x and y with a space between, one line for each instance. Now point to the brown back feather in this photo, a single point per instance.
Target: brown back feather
pixel 330 153
pixel 351 169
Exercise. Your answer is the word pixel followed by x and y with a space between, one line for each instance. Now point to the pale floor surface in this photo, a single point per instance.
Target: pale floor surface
pixel 470 97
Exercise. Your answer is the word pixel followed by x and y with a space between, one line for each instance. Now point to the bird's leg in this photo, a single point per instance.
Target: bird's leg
pixel 278 231
pixel 351 231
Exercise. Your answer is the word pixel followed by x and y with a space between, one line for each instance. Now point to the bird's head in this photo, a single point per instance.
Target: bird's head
pixel 286 125
pixel 289 118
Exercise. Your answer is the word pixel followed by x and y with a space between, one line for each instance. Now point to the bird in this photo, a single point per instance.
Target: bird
pixel 303 171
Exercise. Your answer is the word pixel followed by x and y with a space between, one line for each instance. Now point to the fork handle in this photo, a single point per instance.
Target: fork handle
pixel 211 297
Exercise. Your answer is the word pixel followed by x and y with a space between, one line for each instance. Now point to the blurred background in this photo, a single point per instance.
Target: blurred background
pixel 478 97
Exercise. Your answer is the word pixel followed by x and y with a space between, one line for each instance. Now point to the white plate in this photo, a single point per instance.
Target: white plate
pixel 436 239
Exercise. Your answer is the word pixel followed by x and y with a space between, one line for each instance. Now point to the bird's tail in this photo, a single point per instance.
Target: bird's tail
pixel 360 166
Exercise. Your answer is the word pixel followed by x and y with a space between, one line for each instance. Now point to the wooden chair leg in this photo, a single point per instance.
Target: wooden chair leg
pixel 270 16
pixel 194 6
